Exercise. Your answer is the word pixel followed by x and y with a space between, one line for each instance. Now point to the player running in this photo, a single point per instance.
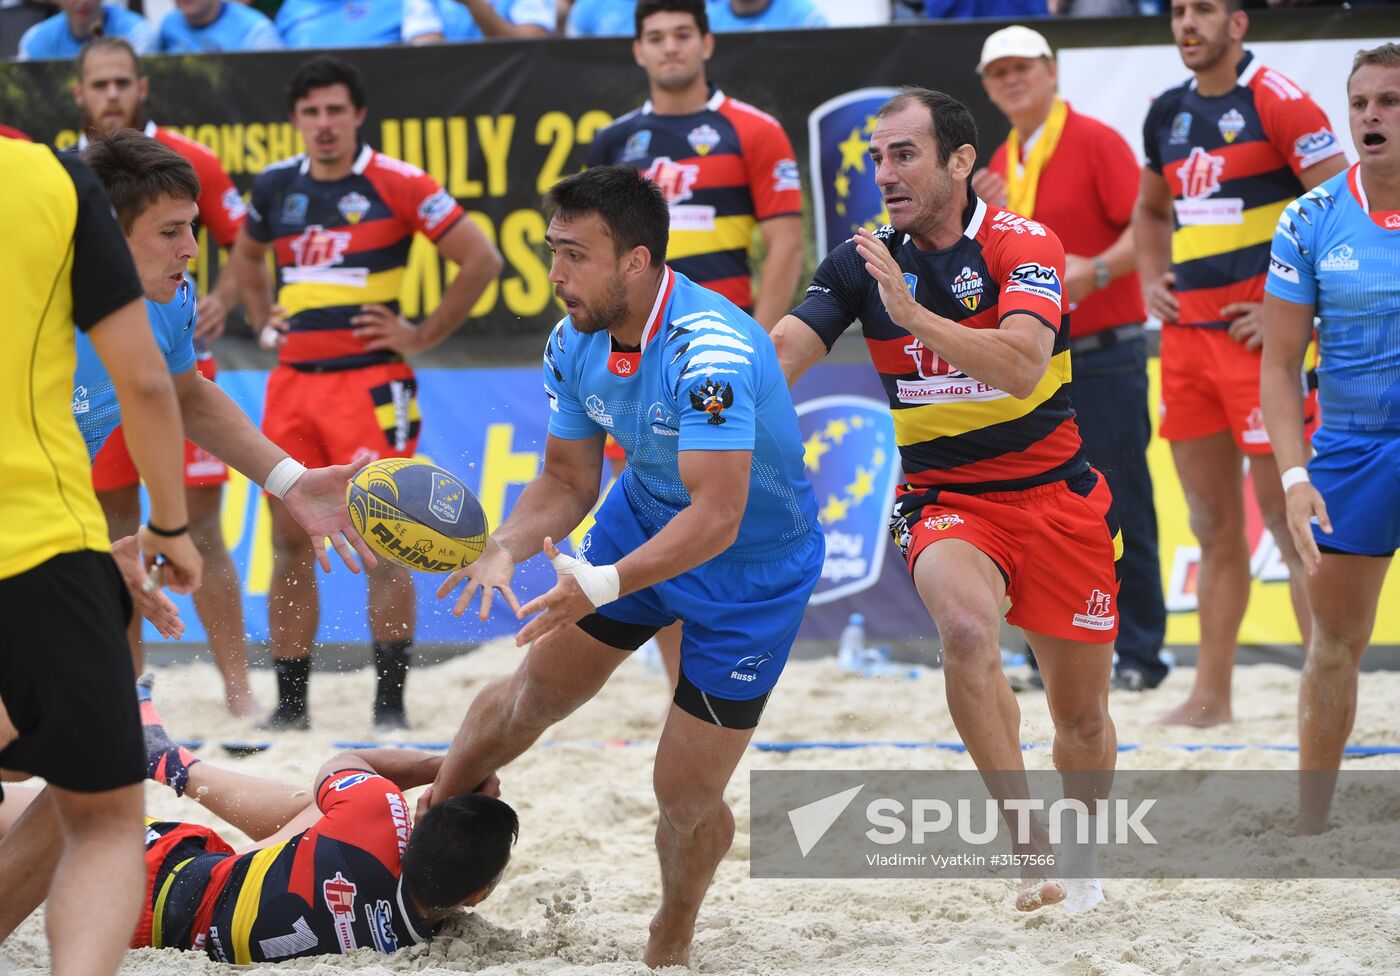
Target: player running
pixel 1336 255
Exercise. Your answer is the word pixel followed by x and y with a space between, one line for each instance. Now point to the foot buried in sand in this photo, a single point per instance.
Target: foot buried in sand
pixel 1036 893
pixel 666 946
pixel 1200 715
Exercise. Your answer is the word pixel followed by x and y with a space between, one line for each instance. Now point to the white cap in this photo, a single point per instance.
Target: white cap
pixel 1014 42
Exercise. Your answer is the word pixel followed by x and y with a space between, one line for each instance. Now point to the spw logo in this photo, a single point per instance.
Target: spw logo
pixel 844 194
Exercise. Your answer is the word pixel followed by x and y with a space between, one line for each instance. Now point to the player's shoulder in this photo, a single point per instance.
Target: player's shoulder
pixel 279 174
pixel 196 152
pixel 746 118
pixel 394 168
pixel 1271 86
pixel 1167 102
pixel 1007 236
pixel 1323 203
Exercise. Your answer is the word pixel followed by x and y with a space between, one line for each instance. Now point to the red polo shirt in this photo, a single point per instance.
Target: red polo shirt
pixel 1086 196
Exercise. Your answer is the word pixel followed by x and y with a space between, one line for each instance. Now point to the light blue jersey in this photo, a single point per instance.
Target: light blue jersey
pixel 1330 252
pixel 458 24
pixel 356 23
pixel 601 18
pixel 706 379
pixel 778 15
pixel 95 404
pixel 52 39
pixel 237 28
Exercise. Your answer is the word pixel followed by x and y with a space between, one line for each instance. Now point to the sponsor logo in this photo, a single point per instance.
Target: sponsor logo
pixel 346 782
pixel 216 946
pixel 1254 430
pixel 947 389
pixel 301 940
pixel 434 209
pixel 1340 258
pixel 1392 221
pixel 447 497
pixel 786 177
pixel 294 208
pixel 233 204
pixel 340 899
pixel 927 363
pixel 713 397
pixel 702 139
pixel 1231 124
pixel 598 411
pixel 320 248
pixel 967 288
pixel 1200 174
pixel 353 206
pixel 1035 279
pixel 418 555
pixel 944 522
pixel 1214 211
pixel 553 399
pixel 399 812
pixel 1315 147
pixel 1181 129
pixel 1006 220
pixel 819 289
pixel 674 180
pixel 637 145
pixel 582 551
pixel 80 400
pixel 1282 269
pixel 151 835
pixel 623 363
pixel 662 420
pixel 1097 615
pixel 381 926
pixel 746 669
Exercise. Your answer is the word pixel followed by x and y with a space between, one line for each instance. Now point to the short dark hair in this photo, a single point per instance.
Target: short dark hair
pixel 137 170
pixel 953 125
pixel 1386 56
pixel 696 8
pixel 323 71
pixel 630 204
pixel 106 42
pixel 459 847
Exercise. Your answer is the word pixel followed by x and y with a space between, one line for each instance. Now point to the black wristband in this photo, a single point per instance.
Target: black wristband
pixel 167 533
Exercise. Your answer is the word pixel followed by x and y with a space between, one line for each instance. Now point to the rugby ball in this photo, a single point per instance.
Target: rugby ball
pixel 416 514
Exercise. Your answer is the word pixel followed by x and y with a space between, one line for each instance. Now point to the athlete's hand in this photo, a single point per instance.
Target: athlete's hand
pixel 152 604
pixel 565 604
pixel 1246 323
pixel 274 331
pixel 990 187
pixel 180 566
pixel 492 571
pixel 211 315
pixel 386 329
pixel 317 502
pixel 881 265
pixel 1161 298
pixel 1305 504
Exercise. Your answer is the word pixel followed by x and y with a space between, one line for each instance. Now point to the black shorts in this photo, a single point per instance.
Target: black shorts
pixel 66 675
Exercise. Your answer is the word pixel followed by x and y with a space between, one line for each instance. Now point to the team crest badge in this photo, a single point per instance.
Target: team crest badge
pixel 445 500
pixel 944 522
pixel 353 206
pixel 702 139
pixel 637 145
pixel 294 208
pixel 967 288
pixel 912 280
pixel 1181 129
pixel 713 398
pixel 1231 125
pixel 844 194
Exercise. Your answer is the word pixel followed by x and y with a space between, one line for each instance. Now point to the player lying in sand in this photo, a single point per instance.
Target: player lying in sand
pixel 334 868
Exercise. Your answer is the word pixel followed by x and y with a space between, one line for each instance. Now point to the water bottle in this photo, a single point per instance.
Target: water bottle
pixel 850 653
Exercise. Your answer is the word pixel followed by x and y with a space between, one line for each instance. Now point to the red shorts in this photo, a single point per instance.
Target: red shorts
pixel 1057 547
pixel 113 467
pixel 327 418
pixel 167 846
pixel 613 450
pixel 1210 383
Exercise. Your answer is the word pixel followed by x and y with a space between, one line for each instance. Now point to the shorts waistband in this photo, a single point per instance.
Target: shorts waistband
pixel 1085 480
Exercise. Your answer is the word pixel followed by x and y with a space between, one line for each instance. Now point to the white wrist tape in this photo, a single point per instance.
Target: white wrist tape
pixel 283 476
pixel 1294 476
pixel 599 583
pixel 269 337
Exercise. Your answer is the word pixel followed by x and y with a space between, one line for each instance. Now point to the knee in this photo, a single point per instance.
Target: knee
pixel 683 808
pixel 970 642
pixel 1215 525
pixel 1083 729
pixel 1336 643
pixel 291 543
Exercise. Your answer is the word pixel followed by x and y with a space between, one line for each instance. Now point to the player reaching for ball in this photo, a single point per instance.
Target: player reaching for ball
pixel 713 523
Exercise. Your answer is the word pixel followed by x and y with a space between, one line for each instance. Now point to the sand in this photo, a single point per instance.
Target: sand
pixel 583 883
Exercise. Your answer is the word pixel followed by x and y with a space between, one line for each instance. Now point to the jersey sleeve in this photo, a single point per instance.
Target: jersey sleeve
pixel 178 325
pixel 715 370
pixel 422 204
pixel 257 220
pixel 1029 269
pixel 221 208
pixel 104 276
pixel 1292 274
pixel 598 154
pixel 262 36
pixel 536 12
pixel 420 17
pixel 568 418
pixel 833 299
pixel 771 167
pixel 366 810
pixel 1294 123
pixel 1158 118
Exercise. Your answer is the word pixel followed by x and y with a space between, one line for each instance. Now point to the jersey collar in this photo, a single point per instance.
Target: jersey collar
pixel 979 213
pixel 149 130
pixel 658 308
pixel 1244 71
pixel 1385 219
pixel 361 161
pixel 408 915
pixel 716 99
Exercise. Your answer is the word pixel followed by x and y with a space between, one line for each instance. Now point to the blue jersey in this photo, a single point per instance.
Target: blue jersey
pixel 237 28
pixel 355 23
pixel 1332 253
pixel 458 24
pixel 778 15
pixel 706 379
pixel 95 406
pixel 601 18
pixel 52 39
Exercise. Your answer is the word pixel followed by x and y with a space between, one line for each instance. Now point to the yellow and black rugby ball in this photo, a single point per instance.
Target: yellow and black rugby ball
pixel 416 514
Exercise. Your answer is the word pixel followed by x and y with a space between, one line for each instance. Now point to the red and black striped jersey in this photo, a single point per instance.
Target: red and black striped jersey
pixel 722 170
pixel 341 244
pixel 335 887
pixel 954 431
pixel 1232 162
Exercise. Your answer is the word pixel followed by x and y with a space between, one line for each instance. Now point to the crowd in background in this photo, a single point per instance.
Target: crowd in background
pixel 35 29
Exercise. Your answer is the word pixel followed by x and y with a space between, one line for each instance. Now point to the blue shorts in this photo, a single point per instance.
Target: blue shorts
pixel 1358 476
pixel 740 618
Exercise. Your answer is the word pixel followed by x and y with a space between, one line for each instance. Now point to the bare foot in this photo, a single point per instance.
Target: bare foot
pixel 668 945
pixel 1201 715
pixel 243 706
pixel 1036 893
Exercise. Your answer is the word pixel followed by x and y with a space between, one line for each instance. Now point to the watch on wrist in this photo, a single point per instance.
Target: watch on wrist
pixel 1101 274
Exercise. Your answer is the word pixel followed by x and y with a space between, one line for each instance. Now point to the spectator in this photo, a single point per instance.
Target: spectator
pixel 16 17
pixel 1078 177
pixel 200 26
pixel 743 15
pixel 473 20
pixel 1004 9
pixel 358 23
pixel 64 34
pixel 600 18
